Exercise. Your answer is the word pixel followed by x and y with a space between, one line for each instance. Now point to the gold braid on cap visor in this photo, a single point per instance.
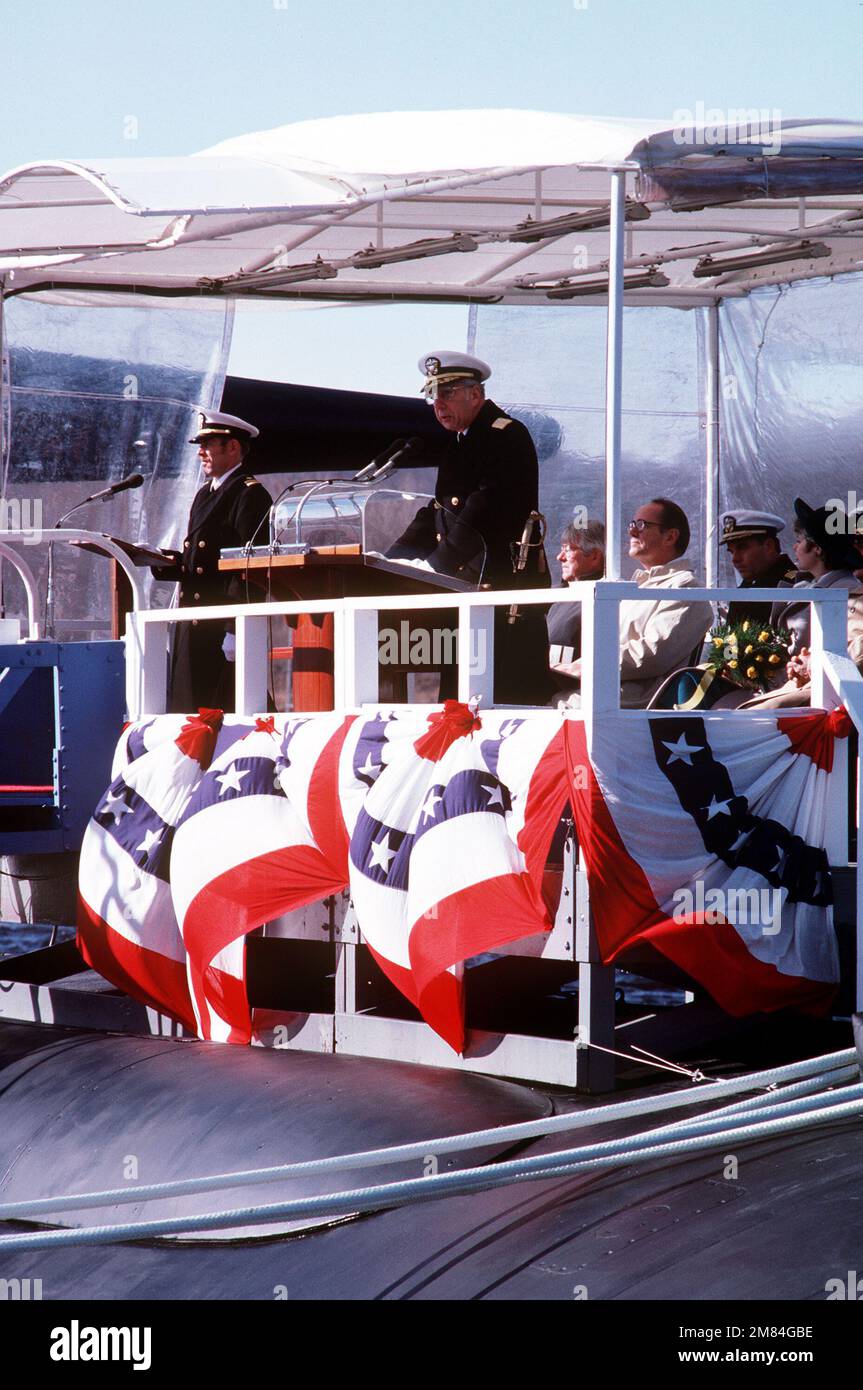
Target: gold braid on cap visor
pixel 432 383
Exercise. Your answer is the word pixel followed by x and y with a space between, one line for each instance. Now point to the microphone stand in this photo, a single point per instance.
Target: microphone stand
pixel 49 588
pixel 104 496
pixel 525 545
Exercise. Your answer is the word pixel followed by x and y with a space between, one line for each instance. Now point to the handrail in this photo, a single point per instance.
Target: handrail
pixel 29 580
pixel 847 685
pixel 356 637
pixel 76 537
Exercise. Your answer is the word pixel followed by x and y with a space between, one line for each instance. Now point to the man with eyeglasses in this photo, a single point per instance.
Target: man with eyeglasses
pixel 487 487
pixel 657 638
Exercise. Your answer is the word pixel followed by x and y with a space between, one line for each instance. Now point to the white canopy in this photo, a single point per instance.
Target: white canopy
pixel 515 209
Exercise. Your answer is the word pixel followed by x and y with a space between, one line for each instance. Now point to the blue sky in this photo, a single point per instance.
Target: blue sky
pixel 192 72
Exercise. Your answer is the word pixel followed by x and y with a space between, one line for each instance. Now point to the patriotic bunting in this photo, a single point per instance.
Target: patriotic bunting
pixel 260 836
pixel 437 873
pixel 702 837
pixel 705 839
pixel 127 929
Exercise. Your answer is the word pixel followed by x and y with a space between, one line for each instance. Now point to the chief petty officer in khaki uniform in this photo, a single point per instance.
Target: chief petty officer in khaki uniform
pixel 229 510
pixel 487 486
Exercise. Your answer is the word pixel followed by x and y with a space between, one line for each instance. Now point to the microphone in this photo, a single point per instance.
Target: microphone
pixel 367 473
pixel 414 446
pixel 133 480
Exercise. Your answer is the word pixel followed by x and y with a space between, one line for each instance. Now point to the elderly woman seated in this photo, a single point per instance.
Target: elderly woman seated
pixel 581 557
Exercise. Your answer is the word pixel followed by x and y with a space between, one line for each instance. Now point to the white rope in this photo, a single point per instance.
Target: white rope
pixel 619 1150
pixel 423 1189
pixel 828 1073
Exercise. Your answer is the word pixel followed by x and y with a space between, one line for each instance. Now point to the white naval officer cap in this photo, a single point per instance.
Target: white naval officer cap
pixel 739 525
pixel 439 367
pixel 216 422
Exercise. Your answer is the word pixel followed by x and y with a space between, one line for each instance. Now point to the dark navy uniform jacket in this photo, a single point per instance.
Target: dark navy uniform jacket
pixel 487 484
pixel 781 574
pixel 230 516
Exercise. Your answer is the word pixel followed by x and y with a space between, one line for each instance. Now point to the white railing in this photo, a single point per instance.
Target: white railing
pixel 356 665
pixel 10 539
pixel 28 579
pixel 846 685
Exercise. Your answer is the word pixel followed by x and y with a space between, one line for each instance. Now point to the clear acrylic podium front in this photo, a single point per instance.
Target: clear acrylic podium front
pixel 321 516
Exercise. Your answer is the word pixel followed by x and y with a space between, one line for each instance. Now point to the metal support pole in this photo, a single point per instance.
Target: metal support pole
pixel 600 690
pixel 476 655
pixel 356 656
pixel 146 667
pixel 600 651
pixel 594 1068
pixel 250 671
pixel 614 374
pixel 829 633
pixel 711 416
pixel 29 580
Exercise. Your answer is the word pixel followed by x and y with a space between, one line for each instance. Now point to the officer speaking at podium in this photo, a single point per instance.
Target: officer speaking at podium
pixel 487 486
pixel 228 510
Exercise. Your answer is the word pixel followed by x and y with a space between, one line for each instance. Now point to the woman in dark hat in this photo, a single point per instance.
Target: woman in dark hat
pixel 828 556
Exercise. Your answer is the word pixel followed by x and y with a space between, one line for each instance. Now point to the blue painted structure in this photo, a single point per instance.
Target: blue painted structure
pixel 62 706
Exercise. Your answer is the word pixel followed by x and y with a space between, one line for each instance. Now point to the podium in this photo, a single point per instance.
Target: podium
pixel 344 571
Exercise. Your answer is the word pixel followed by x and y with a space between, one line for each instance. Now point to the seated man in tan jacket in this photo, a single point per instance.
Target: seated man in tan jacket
pixel 657 637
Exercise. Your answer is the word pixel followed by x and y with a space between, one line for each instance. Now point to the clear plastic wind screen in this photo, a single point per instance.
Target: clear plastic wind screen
pixel 791 409
pixel 97 393
pixel 549 370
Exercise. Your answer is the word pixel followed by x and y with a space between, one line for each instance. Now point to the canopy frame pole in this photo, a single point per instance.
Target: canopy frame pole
pixel 601 684
pixel 614 373
pixel 711 461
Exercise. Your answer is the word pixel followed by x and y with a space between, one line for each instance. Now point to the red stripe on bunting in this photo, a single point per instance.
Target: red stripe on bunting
pixel 548 793
pixel 326 821
pixel 623 901
pixel 475 919
pixel 815 734
pixel 716 957
pixel 226 995
pixel 243 898
pixel 151 978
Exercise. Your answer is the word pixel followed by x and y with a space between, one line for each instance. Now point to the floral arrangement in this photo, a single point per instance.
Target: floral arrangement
pixel 748 653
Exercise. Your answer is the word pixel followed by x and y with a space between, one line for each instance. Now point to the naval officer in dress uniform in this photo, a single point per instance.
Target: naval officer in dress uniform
pixel 229 510
pixel 756 554
pixel 487 486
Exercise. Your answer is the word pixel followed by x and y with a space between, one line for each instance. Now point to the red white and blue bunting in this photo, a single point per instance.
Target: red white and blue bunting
pixel 703 839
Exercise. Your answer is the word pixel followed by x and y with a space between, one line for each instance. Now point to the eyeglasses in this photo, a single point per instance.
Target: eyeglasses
pixel 638 523
pixel 443 393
